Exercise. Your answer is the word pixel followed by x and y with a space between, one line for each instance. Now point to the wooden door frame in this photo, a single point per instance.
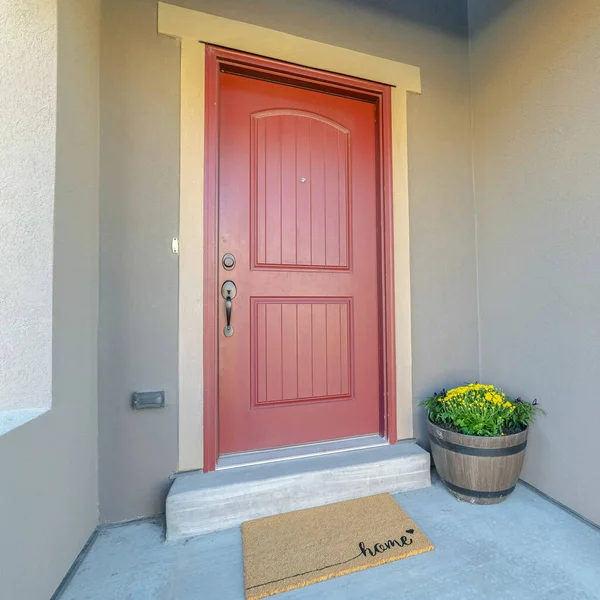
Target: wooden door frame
pixel 224 60
pixel 193 29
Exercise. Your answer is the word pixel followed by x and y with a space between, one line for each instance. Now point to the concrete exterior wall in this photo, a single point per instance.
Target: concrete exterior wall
pixel 536 114
pixel 27 138
pixel 48 467
pixel 139 212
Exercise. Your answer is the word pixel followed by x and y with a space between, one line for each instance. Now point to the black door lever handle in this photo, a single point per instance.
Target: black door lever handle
pixel 228 291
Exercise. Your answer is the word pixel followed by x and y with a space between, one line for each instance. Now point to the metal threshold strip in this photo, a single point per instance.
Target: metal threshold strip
pixel 259 457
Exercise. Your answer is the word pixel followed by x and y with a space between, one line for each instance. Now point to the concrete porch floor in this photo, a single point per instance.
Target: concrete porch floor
pixel 526 548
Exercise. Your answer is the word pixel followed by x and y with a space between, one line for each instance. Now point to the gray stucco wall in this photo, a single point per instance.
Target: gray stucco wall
pixel 27 134
pixel 48 467
pixel 139 212
pixel 536 69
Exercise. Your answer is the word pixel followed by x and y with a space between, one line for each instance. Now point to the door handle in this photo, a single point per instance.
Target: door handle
pixel 229 292
pixel 228 331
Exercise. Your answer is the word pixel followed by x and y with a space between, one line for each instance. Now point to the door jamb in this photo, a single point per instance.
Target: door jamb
pixel 220 59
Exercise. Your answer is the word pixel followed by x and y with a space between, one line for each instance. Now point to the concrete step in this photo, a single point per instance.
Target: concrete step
pixel 205 502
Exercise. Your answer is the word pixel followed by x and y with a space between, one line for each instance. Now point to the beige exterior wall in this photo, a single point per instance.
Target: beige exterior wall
pixel 27 142
pixel 48 467
pixel 536 111
pixel 140 87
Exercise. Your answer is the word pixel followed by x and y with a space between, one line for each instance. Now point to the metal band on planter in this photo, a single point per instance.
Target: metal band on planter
pixel 470 451
pixel 477 494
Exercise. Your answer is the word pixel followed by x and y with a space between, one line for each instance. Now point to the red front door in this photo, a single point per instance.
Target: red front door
pixel 298 211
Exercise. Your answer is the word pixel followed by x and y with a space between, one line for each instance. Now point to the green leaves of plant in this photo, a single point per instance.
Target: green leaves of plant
pixel 482 410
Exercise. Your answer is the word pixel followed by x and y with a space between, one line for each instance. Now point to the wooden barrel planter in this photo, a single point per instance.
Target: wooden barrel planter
pixel 479 470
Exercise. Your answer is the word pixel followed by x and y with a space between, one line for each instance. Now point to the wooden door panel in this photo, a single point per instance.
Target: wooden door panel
pixel 301 349
pixel 299 191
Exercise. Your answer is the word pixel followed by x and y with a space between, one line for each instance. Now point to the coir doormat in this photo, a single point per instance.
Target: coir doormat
pixel 295 549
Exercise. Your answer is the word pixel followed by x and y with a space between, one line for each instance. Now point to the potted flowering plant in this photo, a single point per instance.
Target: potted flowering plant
pixel 478 438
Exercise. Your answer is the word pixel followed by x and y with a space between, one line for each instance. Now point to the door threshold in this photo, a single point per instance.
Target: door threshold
pixel 259 457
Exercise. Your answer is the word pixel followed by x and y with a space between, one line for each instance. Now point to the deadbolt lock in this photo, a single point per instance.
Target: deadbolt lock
pixel 229 262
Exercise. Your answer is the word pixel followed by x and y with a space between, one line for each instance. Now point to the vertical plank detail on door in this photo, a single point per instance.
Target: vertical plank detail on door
pixel 289 351
pixel 345 346
pixel 333 224
pixel 317 181
pixel 304 337
pixel 319 350
pixel 274 384
pixel 302 349
pixel 272 175
pixel 345 225
pixel 261 349
pixel 334 350
pixel 259 191
pixel 300 193
pixel 289 192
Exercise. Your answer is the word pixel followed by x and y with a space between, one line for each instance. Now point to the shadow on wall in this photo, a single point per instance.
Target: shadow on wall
pixel 443 15
pixel 540 35
pixel 446 16
pixel 483 12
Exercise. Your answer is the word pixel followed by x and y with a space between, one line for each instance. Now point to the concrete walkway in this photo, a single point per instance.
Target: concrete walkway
pixel 526 548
